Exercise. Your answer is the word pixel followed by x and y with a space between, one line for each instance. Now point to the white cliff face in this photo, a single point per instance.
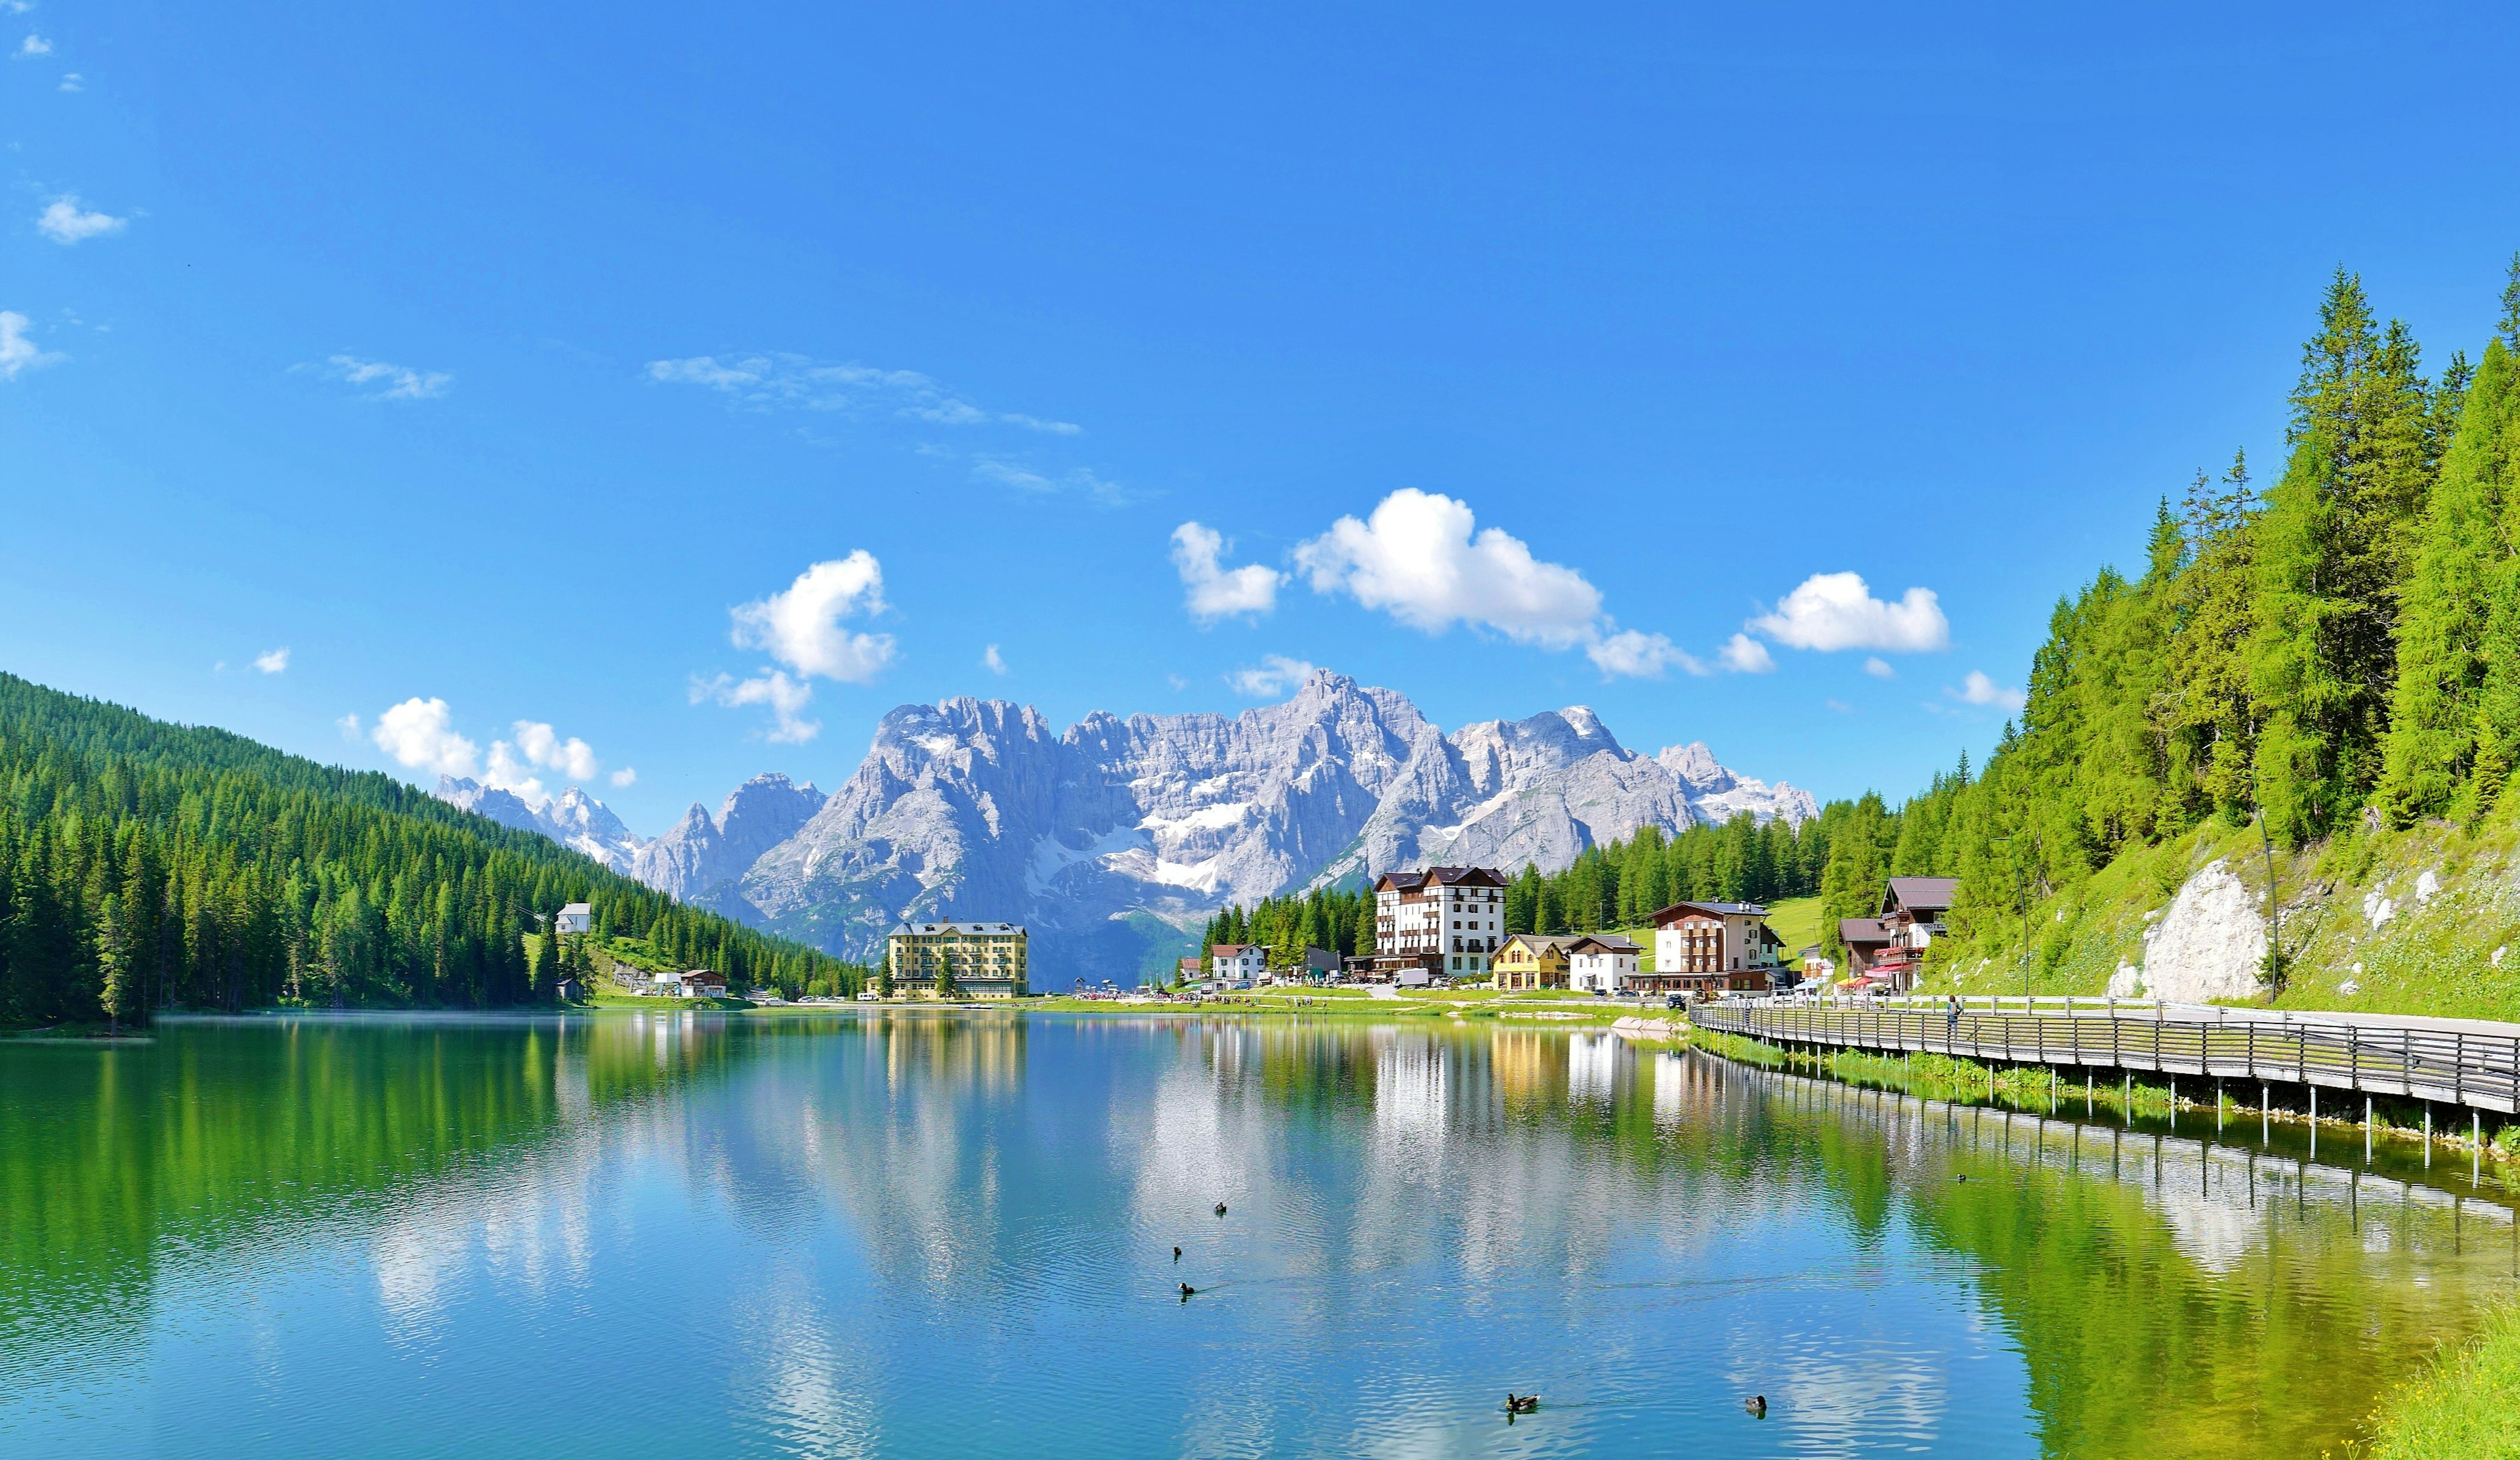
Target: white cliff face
pixel 973 808
pixel 2209 945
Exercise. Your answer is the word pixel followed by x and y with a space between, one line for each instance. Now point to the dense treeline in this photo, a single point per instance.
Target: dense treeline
pixel 2341 650
pixel 1842 854
pixel 1341 921
pixel 147 866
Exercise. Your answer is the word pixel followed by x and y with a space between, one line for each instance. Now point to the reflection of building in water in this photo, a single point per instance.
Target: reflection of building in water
pixel 1592 1063
pixel 1668 1073
pixel 1524 1064
pixel 972 1053
pixel 1409 1085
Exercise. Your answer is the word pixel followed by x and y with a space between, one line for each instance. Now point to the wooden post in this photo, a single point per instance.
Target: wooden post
pixel 2366 1130
pixel 2428 1135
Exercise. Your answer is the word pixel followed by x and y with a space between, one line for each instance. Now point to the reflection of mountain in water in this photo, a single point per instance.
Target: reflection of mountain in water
pixel 1008 1189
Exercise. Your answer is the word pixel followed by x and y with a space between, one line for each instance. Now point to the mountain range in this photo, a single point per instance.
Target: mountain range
pixel 1114 838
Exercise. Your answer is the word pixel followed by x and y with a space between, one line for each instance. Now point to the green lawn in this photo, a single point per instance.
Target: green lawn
pixel 1798 922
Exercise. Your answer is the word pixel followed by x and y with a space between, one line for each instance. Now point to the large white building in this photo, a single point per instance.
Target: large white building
pixel 1711 948
pixel 984 960
pixel 1441 921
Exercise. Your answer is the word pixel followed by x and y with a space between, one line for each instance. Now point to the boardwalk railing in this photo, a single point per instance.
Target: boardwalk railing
pixel 2461 1062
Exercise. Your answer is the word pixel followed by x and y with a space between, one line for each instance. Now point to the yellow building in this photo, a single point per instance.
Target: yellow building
pixel 984 960
pixel 1529 960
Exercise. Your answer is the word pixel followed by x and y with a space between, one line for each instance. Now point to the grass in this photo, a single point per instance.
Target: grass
pixel 2465 1405
pixel 1797 923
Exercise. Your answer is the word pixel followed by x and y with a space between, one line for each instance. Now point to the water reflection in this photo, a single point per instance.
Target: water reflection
pixel 896 1233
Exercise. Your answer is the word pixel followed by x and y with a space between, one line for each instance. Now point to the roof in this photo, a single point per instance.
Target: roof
pixel 1712 909
pixel 1451 877
pixel 1230 950
pixel 577 907
pixel 1861 931
pixel 905 930
pixel 1540 942
pixel 1920 894
pixel 1607 942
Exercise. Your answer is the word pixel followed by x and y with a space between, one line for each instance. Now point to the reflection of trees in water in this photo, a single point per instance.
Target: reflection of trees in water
pixel 2171 1295
pixel 217 1137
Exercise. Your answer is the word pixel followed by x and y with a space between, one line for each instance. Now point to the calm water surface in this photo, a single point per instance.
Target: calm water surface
pixel 906 1235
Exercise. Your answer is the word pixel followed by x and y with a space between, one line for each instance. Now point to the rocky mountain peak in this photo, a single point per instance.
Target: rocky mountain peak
pixel 1111 835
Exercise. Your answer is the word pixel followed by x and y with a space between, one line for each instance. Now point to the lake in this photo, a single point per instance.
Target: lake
pixel 913 1234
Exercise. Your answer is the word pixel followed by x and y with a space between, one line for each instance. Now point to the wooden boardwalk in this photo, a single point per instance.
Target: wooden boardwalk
pixel 2467 1062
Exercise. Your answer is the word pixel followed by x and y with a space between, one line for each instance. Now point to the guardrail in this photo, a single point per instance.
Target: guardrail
pixel 2473 1067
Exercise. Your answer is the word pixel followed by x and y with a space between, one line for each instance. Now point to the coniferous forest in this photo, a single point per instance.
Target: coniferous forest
pixel 2337 650
pixel 145 866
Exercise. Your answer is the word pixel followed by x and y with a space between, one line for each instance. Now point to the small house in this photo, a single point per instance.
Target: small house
pixel 1238 963
pixel 1530 960
pixel 577 917
pixel 1602 963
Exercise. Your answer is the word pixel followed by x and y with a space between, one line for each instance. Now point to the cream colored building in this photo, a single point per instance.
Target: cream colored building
pixel 985 959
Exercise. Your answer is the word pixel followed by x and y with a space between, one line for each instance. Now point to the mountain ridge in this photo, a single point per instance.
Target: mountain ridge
pixel 1114 838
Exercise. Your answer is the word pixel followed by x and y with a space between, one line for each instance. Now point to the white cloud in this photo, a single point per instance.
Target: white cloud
pixel 1833 610
pixel 543 746
pixel 1213 592
pixel 348 725
pixel 421 735
pixel 1639 655
pixel 1978 689
pixel 399 383
pixel 1274 675
pixel 508 772
pixel 1025 478
pixel 63 222
pixel 1420 557
pixel 1176 681
pixel 625 776
pixel 786 697
pixel 74 81
pixel 1879 668
pixel 801 626
pixel 272 661
pixel 1743 655
pixel 1840 705
pixel 17 353
pixel 801 383
pixel 32 46
pixel 993 661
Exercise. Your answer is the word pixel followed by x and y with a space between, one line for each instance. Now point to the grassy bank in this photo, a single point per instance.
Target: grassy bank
pixel 2464 1406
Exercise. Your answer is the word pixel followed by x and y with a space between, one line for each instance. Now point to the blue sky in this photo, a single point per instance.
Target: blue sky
pixel 682 380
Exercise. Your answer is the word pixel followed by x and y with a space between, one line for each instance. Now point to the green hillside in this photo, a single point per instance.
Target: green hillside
pixel 147 866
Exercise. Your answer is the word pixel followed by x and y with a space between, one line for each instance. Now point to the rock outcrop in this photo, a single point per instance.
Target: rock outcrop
pixel 2209 945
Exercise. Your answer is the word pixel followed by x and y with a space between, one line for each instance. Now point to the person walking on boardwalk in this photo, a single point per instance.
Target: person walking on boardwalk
pixel 1952 1022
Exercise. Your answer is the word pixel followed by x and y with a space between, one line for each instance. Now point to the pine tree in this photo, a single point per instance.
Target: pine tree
pixel 2330 556
pixel 2441 633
